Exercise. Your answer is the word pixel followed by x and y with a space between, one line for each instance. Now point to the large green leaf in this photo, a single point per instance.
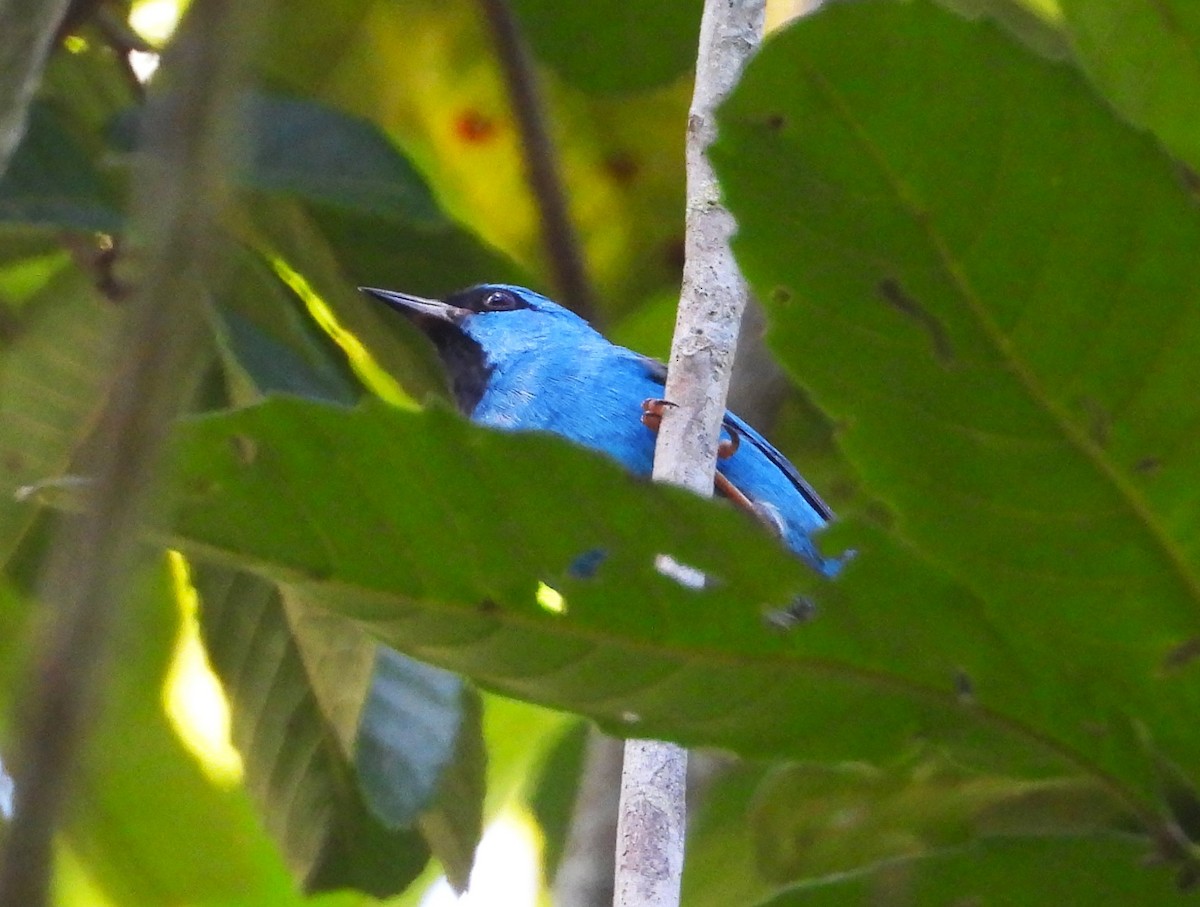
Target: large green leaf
pixel 53 182
pixel 410 731
pixel 53 369
pixel 991 284
pixel 1032 872
pixel 435 533
pixel 763 829
pixel 1145 58
pixel 296 770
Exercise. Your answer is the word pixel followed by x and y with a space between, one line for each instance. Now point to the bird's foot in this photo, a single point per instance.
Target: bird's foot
pixel 652 412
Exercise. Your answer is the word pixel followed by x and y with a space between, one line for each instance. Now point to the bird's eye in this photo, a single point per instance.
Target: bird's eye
pixel 499 301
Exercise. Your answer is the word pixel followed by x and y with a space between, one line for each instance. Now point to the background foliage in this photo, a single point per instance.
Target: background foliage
pixel 973 229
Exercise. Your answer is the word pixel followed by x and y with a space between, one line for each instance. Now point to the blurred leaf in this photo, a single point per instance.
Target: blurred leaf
pixel 1145 59
pixel 425 71
pixel 53 182
pixel 53 370
pixel 319 154
pixel 145 822
pixel 268 342
pixel 1004 323
pixel 1032 872
pixel 411 731
pixel 141 800
pixel 1035 23
pixel 808 821
pixel 553 792
pixel 391 518
pixel 613 47
pixel 295 769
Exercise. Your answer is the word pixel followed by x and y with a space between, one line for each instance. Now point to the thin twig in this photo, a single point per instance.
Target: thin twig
pixel 559 238
pixel 185 156
pixel 652 813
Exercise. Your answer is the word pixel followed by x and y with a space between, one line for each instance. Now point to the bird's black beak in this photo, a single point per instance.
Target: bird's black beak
pixel 418 307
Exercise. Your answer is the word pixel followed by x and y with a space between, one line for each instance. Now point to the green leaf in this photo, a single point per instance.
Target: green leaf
pixel 393 518
pixel 53 370
pixel 295 768
pixel 312 151
pixel 411 731
pixel 147 824
pixel 810 821
pixel 991 284
pixel 52 181
pixel 613 47
pixel 1145 59
pixel 1032 872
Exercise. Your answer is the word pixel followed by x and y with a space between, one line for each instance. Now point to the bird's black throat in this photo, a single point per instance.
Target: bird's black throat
pixel 465 363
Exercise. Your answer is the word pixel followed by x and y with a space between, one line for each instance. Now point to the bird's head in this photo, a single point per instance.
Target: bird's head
pixel 488 327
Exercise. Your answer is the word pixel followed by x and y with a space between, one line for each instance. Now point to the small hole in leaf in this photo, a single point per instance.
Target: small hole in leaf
pixel 800 611
pixel 586 564
pixel 550 599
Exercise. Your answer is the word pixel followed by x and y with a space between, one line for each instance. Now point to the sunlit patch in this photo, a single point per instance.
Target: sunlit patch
pixel 507 870
pixel 6 794
pixel 551 599
pixel 369 372
pixel 155 20
pixel 74 44
pixel 192 695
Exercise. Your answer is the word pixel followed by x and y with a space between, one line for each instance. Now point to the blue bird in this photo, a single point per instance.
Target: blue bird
pixel 518 361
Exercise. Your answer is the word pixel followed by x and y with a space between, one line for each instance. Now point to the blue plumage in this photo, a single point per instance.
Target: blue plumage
pixel 518 361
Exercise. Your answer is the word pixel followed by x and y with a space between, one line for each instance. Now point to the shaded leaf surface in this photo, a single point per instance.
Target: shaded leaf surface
pixel 53 181
pixel 295 769
pixel 363 512
pixel 53 368
pixel 996 296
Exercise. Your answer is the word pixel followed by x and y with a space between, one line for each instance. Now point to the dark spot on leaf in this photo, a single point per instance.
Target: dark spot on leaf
pixel 879 515
pixel 1147 466
pixel 474 127
pixel 781 295
pixel 586 564
pixel 487 606
pixel 13 461
pixel 893 294
pixel 1187 878
pixel 1183 654
pixel 775 121
pixel 1099 420
pixel 622 166
pixel 1094 728
pixel 964 687
pixel 1190 179
pixel 245 449
pixel 802 610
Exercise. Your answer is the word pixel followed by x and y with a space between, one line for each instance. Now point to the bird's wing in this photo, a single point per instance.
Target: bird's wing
pixel 657 372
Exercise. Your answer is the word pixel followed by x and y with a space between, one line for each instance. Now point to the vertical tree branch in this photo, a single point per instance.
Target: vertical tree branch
pixel 185 152
pixel 559 238
pixel 27 30
pixel 652 813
